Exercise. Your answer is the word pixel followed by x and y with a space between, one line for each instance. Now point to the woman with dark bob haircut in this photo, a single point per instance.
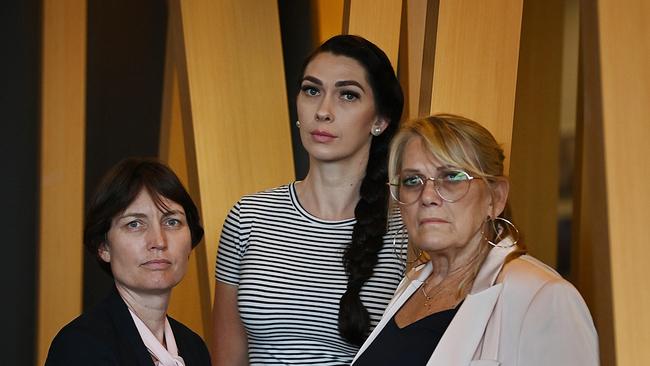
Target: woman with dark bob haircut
pixel 141 226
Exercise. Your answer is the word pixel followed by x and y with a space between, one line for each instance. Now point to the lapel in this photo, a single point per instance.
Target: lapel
pixel 463 336
pixel 130 344
pixel 407 287
pixel 187 349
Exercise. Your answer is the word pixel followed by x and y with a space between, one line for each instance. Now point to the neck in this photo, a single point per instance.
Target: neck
pixel 456 263
pixel 150 308
pixel 331 189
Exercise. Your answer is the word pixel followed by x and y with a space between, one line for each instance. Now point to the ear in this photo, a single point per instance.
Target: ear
pixel 104 252
pixel 381 123
pixel 499 189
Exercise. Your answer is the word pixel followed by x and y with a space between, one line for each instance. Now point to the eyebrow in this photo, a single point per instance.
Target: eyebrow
pixel 337 84
pixel 349 82
pixel 440 168
pixel 141 215
pixel 312 79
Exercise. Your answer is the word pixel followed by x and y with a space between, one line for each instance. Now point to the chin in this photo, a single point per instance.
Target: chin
pixel 432 246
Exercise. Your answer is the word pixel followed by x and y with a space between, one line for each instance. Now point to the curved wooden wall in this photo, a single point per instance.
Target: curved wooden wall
pixel 225 128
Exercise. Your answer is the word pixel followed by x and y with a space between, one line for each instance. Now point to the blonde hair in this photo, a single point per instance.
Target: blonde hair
pixel 453 140
pixel 459 142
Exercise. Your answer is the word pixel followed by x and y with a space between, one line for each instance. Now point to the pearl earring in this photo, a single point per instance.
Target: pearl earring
pixel 376 131
pixel 297 123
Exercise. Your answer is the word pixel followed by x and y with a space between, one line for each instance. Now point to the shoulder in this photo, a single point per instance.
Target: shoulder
pixel 267 194
pixel 551 320
pixel 190 345
pixel 88 337
pixel 539 289
pixel 530 272
pixel 266 200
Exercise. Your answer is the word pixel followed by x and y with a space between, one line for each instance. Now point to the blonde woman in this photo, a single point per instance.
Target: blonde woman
pixel 478 299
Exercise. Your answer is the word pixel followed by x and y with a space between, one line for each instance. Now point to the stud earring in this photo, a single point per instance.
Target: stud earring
pixel 297 123
pixel 376 131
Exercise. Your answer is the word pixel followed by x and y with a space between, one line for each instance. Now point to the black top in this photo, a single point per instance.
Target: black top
pixel 412 345
pixel 107 335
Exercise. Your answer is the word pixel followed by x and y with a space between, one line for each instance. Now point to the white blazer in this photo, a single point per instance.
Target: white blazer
pixel 531 317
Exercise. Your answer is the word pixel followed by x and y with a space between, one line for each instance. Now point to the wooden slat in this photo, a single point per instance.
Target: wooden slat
pixel 62 168
pixel 234 103
pixel 378 21
pixel 624 40
pixel 477 47
pixel 190 299
pixel 534 170
pixel 411 54
pixel 329 16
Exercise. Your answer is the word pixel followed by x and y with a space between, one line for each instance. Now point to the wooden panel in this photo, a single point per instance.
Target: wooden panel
pixel 376 20
pixel 411 54
pixel 329 17
pixel 233 103
pixel 475 74
pixel 190 299
pixel 624 31
pixel 534 170
pixel 62 168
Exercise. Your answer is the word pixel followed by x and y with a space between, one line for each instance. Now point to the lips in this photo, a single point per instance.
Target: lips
pixel 322 136
pixel 157 264
pixel 433 220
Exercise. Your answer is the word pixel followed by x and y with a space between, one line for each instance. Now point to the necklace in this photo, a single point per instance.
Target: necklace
pixel 429 297
pixel 452 280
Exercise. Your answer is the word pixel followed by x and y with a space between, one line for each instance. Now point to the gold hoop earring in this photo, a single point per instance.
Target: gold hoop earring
pixel 499 225
pixel 400 253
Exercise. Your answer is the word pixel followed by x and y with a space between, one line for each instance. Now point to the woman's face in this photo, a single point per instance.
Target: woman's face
pixel 435 225
pixel 148 249
pixel 336 109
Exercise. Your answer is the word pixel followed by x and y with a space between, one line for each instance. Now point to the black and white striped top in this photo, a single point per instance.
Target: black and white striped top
pixel 288 267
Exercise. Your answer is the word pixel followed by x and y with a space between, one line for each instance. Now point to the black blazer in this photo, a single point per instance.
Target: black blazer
pixel 107 335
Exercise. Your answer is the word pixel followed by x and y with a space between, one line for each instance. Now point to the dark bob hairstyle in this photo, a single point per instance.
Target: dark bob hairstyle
pixel 120 187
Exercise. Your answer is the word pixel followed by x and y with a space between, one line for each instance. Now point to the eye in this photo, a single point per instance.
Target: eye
pixel 172 222
pixel 310 90
pixel 412 181
pixel 455 176
pixel 349 96
pixel 135 224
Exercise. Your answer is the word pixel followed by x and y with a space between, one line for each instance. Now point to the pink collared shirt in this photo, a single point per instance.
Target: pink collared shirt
pixel 161 356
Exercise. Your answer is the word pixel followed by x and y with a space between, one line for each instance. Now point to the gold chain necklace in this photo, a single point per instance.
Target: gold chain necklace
pixel 429 297
pixel 453 277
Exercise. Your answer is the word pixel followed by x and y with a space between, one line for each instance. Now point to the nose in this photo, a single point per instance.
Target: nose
pixel 429 195
pixel 324 111
pixel 156 238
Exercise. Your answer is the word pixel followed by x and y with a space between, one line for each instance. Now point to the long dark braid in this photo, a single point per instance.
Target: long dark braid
pixel 371 212
pixel 361 256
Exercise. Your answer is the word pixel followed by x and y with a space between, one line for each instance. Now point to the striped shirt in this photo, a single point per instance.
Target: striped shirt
pixel 288 267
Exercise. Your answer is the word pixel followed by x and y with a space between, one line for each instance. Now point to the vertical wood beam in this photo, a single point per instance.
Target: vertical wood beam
pixel 411 53
pixel 376 20
pixel 62 168
pixel 477 48
pixel 233 103
pixel 329 18
pixel 534 170
pixel 190 299
pixel 624 54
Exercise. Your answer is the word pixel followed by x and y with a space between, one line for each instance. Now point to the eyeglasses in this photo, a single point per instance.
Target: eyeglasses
pixel 450 185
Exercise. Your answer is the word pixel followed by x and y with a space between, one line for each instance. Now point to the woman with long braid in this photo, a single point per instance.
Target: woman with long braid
pixel 305 271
